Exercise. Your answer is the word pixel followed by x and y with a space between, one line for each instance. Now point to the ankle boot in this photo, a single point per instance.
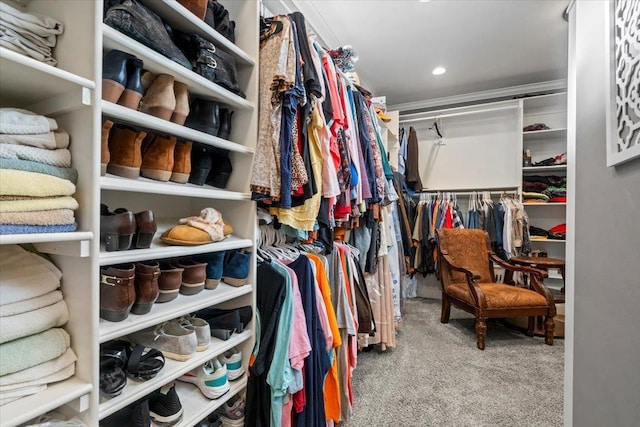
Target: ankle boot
pixel 157 157
pixel 146 228
pixel 201 163
pixel 197 7
pixel 225 123
pixel 114 74
pixel 117 291
pixel 116 228
pixel 194 275
pixel 146 285
pixel 147 80
pixel 236 267
pixel 160 99
pixel 169 281
pixel 181 111
pixel 182 162
pixel 221 169
pixel 215 261
pixel 133 89
pixel 125 152
pixel 204 116
pixel 104 146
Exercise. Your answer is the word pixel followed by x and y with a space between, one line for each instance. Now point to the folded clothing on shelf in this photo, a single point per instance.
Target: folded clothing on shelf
pixel 530 196
pixel 23 183
pixel 535 127
pixel 52 217
pixel 554 180
pixel 37 229
pixel 35 204
pixel 39 320
pixel 70 174
pixel 60 157
pixel 33 350
pixel 48 141
pixel 25 275
pixel 18 121
pixel 30 304
pixel 35 373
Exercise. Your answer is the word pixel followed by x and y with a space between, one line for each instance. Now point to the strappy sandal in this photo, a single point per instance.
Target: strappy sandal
pixel 113 359
pixel 145 365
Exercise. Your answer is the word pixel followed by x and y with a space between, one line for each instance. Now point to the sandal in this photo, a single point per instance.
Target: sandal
pixel 144 365
pixel 113 358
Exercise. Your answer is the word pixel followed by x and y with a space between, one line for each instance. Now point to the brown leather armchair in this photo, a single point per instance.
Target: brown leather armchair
pixel 468 282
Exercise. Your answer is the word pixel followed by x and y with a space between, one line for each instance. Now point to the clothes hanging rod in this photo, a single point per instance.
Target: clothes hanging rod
pixel 464 113
pixel 471 190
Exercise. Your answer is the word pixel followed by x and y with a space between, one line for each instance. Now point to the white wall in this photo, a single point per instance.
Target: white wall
pixel 606 338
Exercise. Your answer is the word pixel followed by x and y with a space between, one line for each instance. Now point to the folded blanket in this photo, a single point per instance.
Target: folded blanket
pixel 53 217
pixel 36 229
pixel 62 374
pixel 60 157
pixel 31 304
pixel 8 399
pixel 42 370
pixel 70 174
pixel 34 204
pixel 539 196
pixel 49 140
pixel 22 391
pixel 25 275
pixel 33 322
pixel 41 25
pixel 16 120
pixel 33 350
pixel 23 183
pixel 26 46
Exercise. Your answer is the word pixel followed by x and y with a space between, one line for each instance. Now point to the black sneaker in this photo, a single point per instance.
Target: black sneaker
pixel 165 407
pixel 140 415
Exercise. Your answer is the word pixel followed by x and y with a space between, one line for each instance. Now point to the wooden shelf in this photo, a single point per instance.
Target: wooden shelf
pixel 554 168
pixel 159 313
pixel 126 115
pixel 545 102
pixel 544 135
pixel 150 186
pixel 544 204
pixel 159 64
pixel 197 407
pixel 54 396
pixel 172 369
pixel 25 81
pixel 181 19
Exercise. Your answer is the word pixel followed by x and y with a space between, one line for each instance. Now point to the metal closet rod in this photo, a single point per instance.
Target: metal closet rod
pixel 469 192
pixel 464 113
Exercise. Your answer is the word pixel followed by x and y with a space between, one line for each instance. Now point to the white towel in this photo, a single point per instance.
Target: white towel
pixel 25 275
pixel 35 204
pixel 42 370
pixel 25 40
pixel 8 400
pixel 22 391
pixel 50 140
pixel 16 120
pixel 30 304
pixel 41 25
pixel 60 157
pixel 33 350
pixel 62 374
pixel 32 322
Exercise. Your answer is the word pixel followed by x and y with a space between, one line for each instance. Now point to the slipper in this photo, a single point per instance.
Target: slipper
pixel 209 227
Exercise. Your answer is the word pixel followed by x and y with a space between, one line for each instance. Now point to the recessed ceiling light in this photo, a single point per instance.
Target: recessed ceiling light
pixel 424 1
pixel 439 70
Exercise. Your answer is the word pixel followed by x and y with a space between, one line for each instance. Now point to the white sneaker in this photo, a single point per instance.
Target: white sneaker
pixel 231 413
pixel 233 360
pixel 211 379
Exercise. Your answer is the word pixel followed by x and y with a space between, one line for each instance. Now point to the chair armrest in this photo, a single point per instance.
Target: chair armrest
pixel 502 263
pixel 465 270
pixel 472 282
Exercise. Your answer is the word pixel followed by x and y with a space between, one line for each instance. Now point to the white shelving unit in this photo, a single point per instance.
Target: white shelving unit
pixel 71 93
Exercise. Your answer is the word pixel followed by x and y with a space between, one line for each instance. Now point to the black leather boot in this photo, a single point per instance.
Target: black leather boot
pixel 133 89
pixel 217 17
pixel 204 115
pixel 221 169
pixel 201 163
pixel 225 123
pixel 114 74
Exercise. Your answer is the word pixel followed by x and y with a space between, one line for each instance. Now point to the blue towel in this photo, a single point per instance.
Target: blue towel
pixel 36 229
pixel 27 165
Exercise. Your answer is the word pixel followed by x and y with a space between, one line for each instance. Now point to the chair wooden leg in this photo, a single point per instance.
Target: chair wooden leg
pixel 549 327
pixel 446 309
pixel 531 326
pixel 481 332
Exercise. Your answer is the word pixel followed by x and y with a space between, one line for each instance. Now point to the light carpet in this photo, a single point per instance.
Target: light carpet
pixel 437 377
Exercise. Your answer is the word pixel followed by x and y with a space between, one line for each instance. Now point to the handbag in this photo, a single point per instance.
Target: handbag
pixel 141 24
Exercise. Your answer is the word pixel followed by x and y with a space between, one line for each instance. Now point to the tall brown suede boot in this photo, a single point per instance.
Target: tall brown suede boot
pixel 157 157
pixel 182 162
pixel 117 291
pixel 104 146
pixel 160 99
pixel 125 150
pixel 182 103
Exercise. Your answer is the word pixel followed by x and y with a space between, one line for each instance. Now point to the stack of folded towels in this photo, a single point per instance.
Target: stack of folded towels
pixel 34 349
pixel 29 34
pixel 543 189
pixel 36 177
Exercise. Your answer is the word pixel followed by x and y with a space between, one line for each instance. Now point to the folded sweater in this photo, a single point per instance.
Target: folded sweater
pixel 49 140
pixel 30 304
pixel 25 324
pixel 23 183
pixel 25 275
pixel 27 165
pixel 35 204
pixel 37 229
pixel 53 217
pixel 60 157
pixel 42 370
pixel 16 120
pixel 33 350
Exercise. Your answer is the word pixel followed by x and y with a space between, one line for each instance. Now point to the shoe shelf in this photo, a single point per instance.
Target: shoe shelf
pixel 157 63
pixel 29 81
pixel 150 186
pixel 181 19
pixel 159 313
pixel 75 238
pixel 126 115
pixel 542 135
pixel 69 392
pixel 196 406
pixel 554 168
pixel 135 390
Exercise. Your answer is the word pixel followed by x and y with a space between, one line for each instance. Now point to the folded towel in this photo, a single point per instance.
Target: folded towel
pixel 37 51
pixel 31 304
pixel 27 36
pixel 41 25
pixel 50 140
pixel 60 157
pixel 53 217
pixel 22 391
pixel 27 165
pixel 36 229
pixel 33 322
pixel 42 370
pixel 62 374
pixel 16 120
pixel 23 183
pixel 34 204
pixel 8 399
pixel 33 350
pixel 25 275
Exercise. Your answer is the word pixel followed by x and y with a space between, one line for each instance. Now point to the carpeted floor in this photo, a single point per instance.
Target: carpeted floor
pixel 437 377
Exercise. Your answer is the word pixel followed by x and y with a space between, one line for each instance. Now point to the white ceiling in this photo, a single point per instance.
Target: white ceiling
pixel 483 44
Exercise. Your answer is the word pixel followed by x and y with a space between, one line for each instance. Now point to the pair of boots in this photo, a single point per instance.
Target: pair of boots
pixel 128 288
pixel 122 230
pixel 210 165
pixel 208 117
pixel 213 14
pixel 232 267
pixel 165 98
pixel 129 153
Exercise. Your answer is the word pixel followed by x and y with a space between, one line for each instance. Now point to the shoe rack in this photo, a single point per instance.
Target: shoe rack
pixel 71 93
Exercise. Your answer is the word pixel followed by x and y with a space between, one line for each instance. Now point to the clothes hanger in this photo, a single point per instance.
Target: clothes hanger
pixel 270 24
